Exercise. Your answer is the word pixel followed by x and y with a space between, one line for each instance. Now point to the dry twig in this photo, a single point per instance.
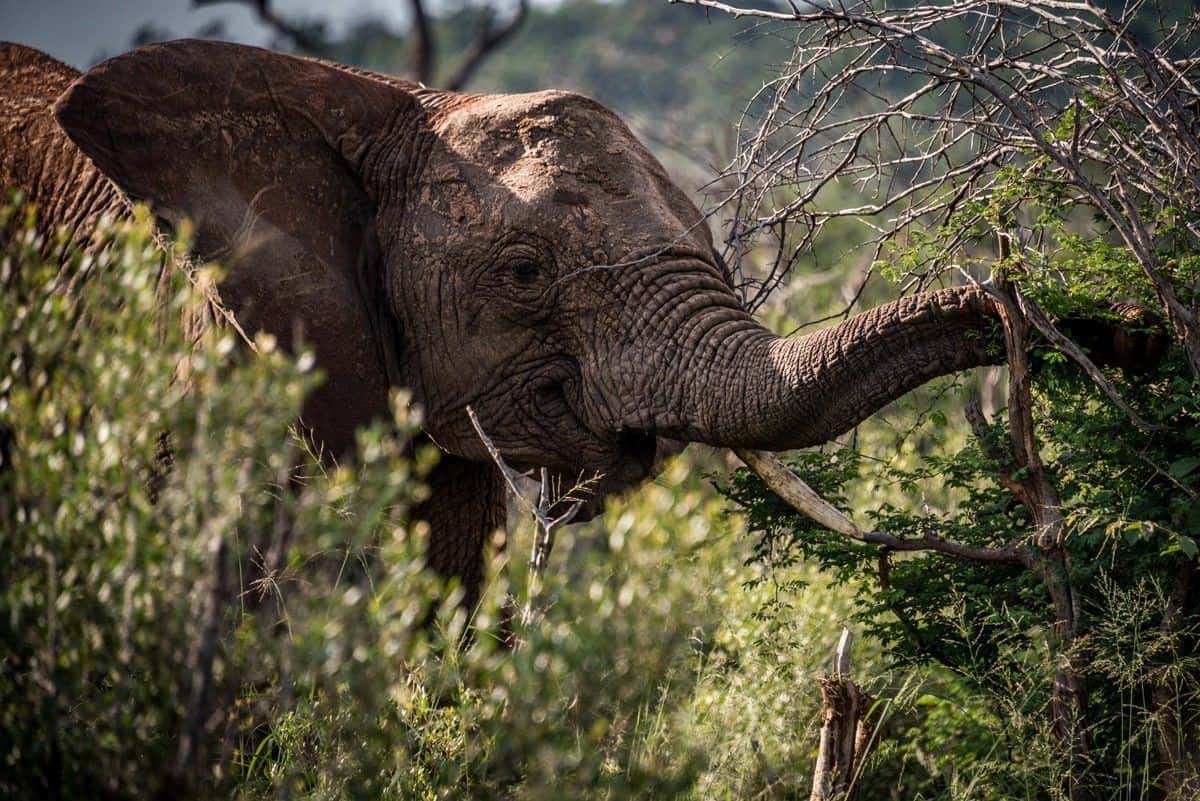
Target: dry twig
pixel 544 524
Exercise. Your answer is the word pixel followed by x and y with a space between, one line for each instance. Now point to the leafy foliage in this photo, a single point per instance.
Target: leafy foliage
pixel 985 631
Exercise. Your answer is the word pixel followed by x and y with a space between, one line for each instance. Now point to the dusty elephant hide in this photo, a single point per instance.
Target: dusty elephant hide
pixel 38 158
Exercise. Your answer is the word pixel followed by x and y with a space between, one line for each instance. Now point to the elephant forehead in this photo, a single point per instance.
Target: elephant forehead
pixel 546 144
pixel 557 163
pixel 466 207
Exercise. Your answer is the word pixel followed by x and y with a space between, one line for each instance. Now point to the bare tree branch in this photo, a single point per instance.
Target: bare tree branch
pixel 297 34
pixel 492 35
pixel 801 497
pixel 1061 91
pixel 424 50
pixel 494 32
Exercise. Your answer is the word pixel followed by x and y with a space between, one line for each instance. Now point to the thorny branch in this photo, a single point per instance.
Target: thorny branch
pixel 1064 92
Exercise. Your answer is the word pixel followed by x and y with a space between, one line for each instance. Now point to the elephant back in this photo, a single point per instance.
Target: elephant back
pixel 37 157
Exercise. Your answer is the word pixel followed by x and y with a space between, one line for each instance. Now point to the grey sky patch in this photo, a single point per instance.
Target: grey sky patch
pixel 81 32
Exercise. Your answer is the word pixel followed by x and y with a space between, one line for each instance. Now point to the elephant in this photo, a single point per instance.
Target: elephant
pixel 521 255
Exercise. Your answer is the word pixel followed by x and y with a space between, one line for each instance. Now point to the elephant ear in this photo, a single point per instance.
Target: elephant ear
pixel 266 154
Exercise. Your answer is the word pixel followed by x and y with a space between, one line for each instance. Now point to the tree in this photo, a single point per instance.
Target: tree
pixel 1047 150
pixel 493 32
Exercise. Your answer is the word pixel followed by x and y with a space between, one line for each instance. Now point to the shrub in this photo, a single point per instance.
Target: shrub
pixel 192 606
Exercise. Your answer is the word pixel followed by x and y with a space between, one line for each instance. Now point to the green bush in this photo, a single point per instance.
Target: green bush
pixel 191 605
pixel 155 616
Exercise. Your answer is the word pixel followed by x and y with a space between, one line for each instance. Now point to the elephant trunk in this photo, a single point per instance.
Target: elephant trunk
pixel 745 387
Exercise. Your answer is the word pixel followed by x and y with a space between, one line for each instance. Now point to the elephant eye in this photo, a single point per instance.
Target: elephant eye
pixel 525 271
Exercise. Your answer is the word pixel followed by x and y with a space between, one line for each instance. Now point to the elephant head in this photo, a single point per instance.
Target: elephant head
pixel 522 255
pixel 588 320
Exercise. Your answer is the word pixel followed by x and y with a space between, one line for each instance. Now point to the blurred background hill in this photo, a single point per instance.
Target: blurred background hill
pixel 649 61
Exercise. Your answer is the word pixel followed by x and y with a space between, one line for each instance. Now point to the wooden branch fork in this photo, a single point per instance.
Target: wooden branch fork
pixel 544 524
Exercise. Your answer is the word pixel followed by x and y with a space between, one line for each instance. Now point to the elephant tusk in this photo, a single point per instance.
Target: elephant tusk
pixel 805 500
pixel 797 494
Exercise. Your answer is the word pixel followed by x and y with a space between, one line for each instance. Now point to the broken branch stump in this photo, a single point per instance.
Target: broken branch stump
pixel 846 730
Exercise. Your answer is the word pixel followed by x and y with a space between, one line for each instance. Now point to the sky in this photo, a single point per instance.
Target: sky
pixel 80 32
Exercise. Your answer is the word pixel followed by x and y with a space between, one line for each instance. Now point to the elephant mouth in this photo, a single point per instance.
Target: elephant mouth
pixel 621 460
pixel 633 460
pixel 587 462
pixel 639 448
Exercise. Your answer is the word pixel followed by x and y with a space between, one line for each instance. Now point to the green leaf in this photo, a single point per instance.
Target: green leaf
pixel 1184 466
pixel 1187 545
